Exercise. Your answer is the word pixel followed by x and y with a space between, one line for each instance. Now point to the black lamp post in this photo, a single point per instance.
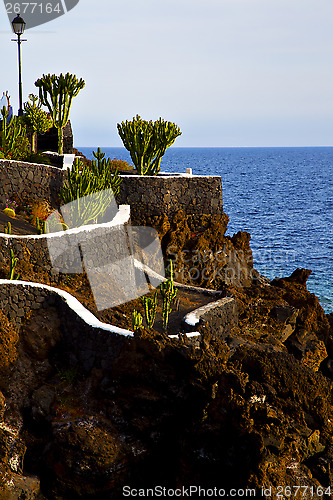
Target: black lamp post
pixel 18 28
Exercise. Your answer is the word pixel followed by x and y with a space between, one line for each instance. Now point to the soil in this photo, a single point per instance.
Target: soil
pixel 20 224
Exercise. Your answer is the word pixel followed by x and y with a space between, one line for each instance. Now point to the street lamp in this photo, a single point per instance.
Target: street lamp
pixel 18 28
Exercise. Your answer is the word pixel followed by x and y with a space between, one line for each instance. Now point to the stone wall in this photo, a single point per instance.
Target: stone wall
pixel 155 196
pixel 86 345
pixel 148 195
pixel 88 342
pixel 30 180
pixel 60 252
pixel 221 317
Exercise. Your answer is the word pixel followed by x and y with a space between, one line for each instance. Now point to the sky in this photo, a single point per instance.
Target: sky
pixel 229 73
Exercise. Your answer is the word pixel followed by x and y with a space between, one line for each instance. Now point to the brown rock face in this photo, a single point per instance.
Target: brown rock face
pixel 86 456
pixel 250 410
pixel 202 254
pixel 8 342
pixel 311 317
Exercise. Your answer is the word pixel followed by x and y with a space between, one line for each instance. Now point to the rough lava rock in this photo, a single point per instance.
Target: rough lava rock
pixel 253 410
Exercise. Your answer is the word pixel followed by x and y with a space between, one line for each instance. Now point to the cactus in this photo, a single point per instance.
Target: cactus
pixel 57 92
pixel 102 169
pixel 13 136
pixel 99 156
pixel 150 306
pixel 136 320
pixel 40 225
pixel 168 292
pixel 82 182
pixel 12 264
pixel 147 142
pixel 8 228
pixel 36 119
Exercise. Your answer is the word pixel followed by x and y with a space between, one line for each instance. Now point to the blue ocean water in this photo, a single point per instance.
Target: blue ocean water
pixel 282 196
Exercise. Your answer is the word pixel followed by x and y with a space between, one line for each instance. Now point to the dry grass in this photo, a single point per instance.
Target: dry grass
pixel 40 210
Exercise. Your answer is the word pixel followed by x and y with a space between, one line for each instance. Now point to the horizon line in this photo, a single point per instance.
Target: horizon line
pixel 211 147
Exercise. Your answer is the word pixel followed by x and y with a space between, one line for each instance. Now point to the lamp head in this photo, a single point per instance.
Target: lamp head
pixel 18 25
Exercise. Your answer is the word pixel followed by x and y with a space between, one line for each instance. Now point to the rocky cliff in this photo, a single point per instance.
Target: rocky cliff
pixel 250 410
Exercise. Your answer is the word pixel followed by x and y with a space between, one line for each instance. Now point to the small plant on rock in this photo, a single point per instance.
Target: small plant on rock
pixel 8 228
pixel 39 211
pixel 10 208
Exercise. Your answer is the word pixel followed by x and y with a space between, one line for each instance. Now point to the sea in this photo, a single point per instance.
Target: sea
pixel 282 196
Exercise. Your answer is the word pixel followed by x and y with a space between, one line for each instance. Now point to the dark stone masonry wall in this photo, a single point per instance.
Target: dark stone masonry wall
pixel 220 317
pixel 63 252
pixel 30 180
pixel 155 196
pixel 152 196
pixel 85 345
pixel 90 346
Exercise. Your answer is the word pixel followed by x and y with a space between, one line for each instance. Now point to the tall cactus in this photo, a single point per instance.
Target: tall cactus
pixel 57 92
pixel 147 142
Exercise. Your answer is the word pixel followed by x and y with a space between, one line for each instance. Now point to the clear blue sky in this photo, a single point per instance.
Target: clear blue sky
pixel 228 72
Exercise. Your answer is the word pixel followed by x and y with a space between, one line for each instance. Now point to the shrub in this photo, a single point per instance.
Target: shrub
pixel 116 164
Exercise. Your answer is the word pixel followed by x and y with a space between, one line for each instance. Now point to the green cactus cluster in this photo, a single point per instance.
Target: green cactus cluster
pixel 56 93
pixel 103 167
pixel 147 142
pixel 14 143
pixel 168 293
pixel 36 119
pixel 84 180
